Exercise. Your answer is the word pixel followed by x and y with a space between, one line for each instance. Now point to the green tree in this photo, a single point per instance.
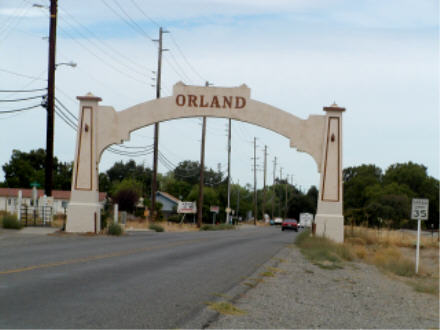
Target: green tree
pixel 126 194
pixel 27 167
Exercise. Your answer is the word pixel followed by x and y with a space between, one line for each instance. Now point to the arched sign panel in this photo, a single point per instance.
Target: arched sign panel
pixel 101 126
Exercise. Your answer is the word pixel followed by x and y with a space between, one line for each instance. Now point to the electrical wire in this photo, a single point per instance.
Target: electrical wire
pixel 23 99
pixel 186 60
pixel 22 75
pixel 107 49
pixel 145 14
pixel 20 109
pixel 129 21
pixel 22 90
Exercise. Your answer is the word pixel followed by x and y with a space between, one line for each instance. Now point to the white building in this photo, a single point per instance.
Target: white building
pixel 9 199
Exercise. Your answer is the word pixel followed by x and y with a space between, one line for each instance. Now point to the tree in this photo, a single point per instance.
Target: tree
pixel 210 197
pixel 126 194
pixel 27 167
pixel 356 180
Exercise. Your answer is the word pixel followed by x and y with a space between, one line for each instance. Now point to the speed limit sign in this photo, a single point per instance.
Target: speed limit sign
pixel 419 209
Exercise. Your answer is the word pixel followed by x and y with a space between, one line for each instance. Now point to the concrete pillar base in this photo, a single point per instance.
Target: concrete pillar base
pixel 330 226
pixel 81 217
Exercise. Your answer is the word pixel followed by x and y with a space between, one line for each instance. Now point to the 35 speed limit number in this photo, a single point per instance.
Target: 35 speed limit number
pixel 419 209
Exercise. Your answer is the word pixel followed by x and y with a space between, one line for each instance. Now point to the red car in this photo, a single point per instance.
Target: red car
pixel 289 224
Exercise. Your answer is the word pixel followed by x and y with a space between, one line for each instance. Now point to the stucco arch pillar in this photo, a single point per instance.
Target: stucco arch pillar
pixel 84 205
pixel 329 217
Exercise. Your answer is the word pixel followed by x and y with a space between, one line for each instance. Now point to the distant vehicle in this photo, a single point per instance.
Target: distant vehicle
pixel 272 222
pixel 278 221
pixel 289 224
pixel 305 220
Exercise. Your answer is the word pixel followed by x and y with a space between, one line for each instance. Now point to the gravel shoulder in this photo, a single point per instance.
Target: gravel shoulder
pixel 303 295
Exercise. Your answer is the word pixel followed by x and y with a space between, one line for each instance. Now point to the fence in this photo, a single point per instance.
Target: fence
pixel 36 216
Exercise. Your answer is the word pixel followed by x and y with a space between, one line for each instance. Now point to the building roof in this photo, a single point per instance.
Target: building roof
pixel 169 196
pixel 27 193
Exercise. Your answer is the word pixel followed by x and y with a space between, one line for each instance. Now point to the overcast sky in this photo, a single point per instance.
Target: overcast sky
pixel 379 59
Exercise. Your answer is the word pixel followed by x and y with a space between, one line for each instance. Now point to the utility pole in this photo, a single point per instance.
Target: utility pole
pixel 255 181
pixel 264 182
pixel 202 167
pixel 281 178
pixel 229 173
pixel 50 99
pixel 156 125
pixel 285 201
pixel 273 185
pixel 238 200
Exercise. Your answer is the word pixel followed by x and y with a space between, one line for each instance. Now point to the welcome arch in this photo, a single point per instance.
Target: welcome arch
pixel 101 126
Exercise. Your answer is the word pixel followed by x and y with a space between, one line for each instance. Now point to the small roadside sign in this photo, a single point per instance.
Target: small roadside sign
pixel 228 210
pixel 214 209
pixel 419 209
pixel 187 207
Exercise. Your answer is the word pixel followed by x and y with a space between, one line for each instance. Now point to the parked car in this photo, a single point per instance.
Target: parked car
pixel 278 221
pixel 289 224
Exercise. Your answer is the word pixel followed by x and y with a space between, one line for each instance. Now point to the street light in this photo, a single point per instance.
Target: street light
pixel 71 64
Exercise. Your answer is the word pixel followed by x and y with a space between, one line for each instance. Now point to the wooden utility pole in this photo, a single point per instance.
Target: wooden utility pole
pixel 238 200
pixel 202 168
pixel 228 214
pixel 279 205
pixel 255 181
pixel 50 99
pixel 156 126
pixel 273 185
pixel 264 182
pixel 285 201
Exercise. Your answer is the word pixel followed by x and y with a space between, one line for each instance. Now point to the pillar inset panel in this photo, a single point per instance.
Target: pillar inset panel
pixel 331 179
pixel 84 175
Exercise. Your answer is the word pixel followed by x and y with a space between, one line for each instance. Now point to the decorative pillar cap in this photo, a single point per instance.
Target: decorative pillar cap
pixel 334 107
pixel 89 97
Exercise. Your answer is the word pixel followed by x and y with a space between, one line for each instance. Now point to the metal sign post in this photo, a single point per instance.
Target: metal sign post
pixel 214 210
pixel 419 212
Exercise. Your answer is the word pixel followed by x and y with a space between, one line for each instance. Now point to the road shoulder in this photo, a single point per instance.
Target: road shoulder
pixel 302 295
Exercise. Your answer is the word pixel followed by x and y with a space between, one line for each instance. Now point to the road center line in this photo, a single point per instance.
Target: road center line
pixel 99 257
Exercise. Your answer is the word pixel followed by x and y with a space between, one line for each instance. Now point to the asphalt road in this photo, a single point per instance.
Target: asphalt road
pixel 143 280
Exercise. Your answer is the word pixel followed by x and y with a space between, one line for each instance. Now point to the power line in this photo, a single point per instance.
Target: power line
pixel 22 75
pixel 23 99
pixel 22 90
pixel 108 50
pixel 128 20
pixel 20 109
pixel 142 11
pixel 186 60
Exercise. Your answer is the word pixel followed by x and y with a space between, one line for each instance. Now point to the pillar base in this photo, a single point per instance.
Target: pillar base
pixel 330 226
pixel 83 217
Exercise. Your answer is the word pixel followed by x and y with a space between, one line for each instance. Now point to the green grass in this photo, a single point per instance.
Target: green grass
pixel 323 252
pixel 222 226
pixel 431 287
pixel 156 227
pixel 11 222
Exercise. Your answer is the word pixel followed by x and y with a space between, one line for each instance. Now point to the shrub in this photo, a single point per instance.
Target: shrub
pixel 156 227
pixel 176 218
pixel 11 222
pixel 115 229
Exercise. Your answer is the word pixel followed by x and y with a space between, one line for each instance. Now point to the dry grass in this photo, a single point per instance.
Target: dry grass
pixel 225 308
pixel 393 252
pixel 167 226
pixel 388 237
